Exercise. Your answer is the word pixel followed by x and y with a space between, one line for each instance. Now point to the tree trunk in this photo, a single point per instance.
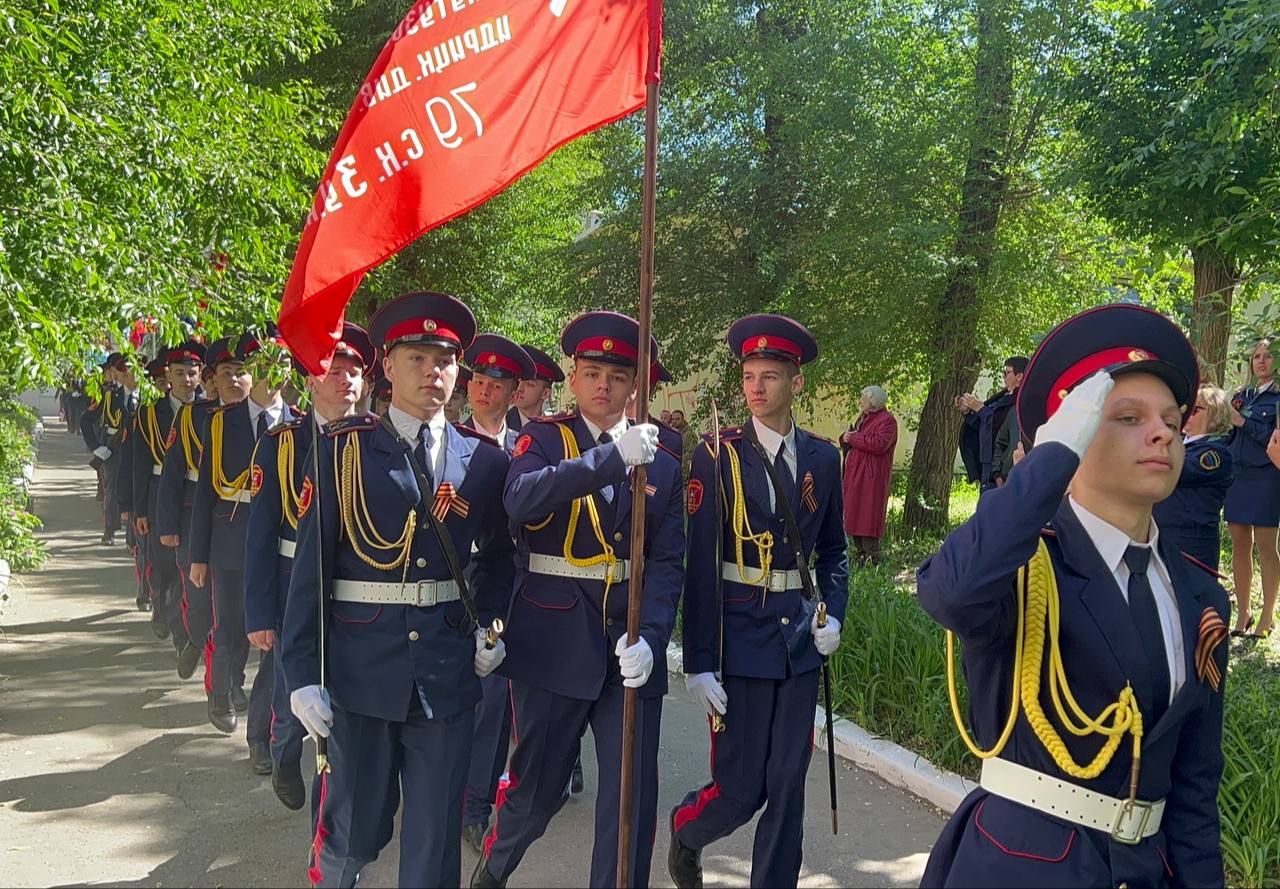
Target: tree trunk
pixel 957 313
pixel 1216 278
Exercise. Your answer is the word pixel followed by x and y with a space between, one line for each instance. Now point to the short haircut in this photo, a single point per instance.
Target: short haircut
pixel 876 397
pixel 1217 409
pixel 1018 363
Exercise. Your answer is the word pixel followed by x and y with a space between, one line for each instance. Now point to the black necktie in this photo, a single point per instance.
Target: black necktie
pixel 784 476
pixel 423 452
pixel 608 491
pixel 262 423
pixel 1146 617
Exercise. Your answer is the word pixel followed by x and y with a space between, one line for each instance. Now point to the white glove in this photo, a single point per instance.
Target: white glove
pixel 639 444
pixel 487 659
pixel 102 452
pixel 311 705
pixel 825 639
pixel 1076 421
pixel 636 662
pixel 708 692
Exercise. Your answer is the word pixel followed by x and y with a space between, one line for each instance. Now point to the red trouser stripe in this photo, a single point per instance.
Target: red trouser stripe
pixel 314 873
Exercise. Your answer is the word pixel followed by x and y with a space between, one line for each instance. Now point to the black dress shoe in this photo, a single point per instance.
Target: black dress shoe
pixel 482 879
pixel 287 782
pixel 159 620
pixel 238 699
pixel 143 602
pixel 260 759
pixel 108 539
pixel 684 864
pixel 221 714
pixel 575 783
pixel 473 834
pixel 188 656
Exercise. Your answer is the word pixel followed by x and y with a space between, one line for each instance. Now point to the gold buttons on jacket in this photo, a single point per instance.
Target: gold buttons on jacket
pixel 785 621
pixel 608 622
pixel 413 635
pixel 617 535
pixel 421 563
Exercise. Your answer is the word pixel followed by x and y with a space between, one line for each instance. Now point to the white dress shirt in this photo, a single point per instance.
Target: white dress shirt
pixel 771 441
pixel 616 431
pixel 274 412
pixel 176 404
pixel 1111 544
pixel 408 425
pixel 500 434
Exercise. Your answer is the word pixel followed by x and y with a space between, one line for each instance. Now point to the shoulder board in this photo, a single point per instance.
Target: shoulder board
pixel 223 408
pixel 469 432
pixel 351 424
pixel 678 457
pixel 288 425
pixel 815 435
pixel 1203 567
pixel 562 417
pixel 728 433
pixel 1048 532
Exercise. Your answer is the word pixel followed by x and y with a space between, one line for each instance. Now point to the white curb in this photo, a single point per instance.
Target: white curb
pixel 890 762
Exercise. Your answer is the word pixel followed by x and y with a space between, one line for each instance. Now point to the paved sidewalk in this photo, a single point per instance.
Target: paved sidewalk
pixel 110 773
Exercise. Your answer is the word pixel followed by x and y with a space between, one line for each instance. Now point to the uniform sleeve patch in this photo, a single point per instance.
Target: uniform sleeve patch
pixel 1210 461
pixel 521 446
pixel 255 480
pixel 694 495
pixel 304 500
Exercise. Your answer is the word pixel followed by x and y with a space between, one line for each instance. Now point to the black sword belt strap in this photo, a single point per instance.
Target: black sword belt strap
pixel 442 533
pixel 788 517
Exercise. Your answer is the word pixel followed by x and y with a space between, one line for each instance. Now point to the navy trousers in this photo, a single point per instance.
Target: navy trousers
pixel 257 728
pixel 549 729
pixel 287 734
pixel 197 610
pixel 489 747
pixel 230 644
pixel 373 762
pixel 762 757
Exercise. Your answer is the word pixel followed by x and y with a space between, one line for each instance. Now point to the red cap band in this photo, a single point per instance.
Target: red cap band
pixel 421 328
pixel 1089 365
pixel 606 345
pixel 771 343
pixel 488 360
pixel 541 370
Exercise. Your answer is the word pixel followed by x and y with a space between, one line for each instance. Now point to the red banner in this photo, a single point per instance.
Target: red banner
pixel 466 97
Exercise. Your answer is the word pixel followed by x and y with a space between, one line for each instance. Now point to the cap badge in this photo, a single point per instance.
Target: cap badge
pixel 491 358
pixel 1139 355
pixel 607 345
pixel 428 325
pixel 763 342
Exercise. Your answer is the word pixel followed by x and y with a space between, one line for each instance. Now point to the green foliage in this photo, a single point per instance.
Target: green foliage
pixel 1250 794
pixel 18 544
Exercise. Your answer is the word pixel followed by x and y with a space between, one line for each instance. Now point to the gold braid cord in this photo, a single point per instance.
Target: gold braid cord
pixel 1038 608
pixel 190 441
pixel 289 498
pixel 741 527
pixel 150 430
pixel 357 524
pixel 111 420
pixel 606 555
pixel 222 486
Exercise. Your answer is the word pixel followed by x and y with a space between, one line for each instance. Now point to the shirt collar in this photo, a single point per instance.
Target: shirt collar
pixel 1109 540
pixel 408 425
pixel 500 433
pixel 615 431
pixel 771 441
pixel 176 404
pixel 273 410
pixel 1191 438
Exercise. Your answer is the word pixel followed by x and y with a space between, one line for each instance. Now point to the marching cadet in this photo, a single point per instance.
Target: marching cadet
pixel 276 484
pixel 753 641
pixel 402 506
pixel 219 517
pixel 532 393
pixel 1104 768
pixel 154 424
pixel 131 397
pixel 568 494
pixel 498 366
pixel 105 436
pixel 156 372
pixel 178 477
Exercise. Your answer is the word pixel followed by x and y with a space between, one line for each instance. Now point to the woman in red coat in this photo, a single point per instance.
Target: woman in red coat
pixel 868 466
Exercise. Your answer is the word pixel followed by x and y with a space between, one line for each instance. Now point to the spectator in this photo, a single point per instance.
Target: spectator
pixel 868 468
pixel 982 421
pixel 1189 519
pixel 1252 509
pixel 665 417
pixel 1007 441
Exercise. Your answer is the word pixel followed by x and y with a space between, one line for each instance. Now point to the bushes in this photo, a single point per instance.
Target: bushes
pixel 1250 795
pixel 18 543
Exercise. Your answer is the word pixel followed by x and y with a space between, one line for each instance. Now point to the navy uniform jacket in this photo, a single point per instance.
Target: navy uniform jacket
pixel 181 469
pixel 978 436
pixel 1249 442
pixel 968 587
pixel 89 424
pixel 508 442
pixel 1191 515
pixel 124 451
pixel 514 420
pixel 218 524
pixel 766 636
pixel 266 569
pixel 376 653
pixel 561 632
pixel 149 442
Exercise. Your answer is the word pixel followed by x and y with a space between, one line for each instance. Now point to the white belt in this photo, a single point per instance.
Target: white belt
pixel 560 567
pixel 423 593
pixel 156 470
pixel 110 430
pixel 287 547
pixel 1127 823
pixel 193 475
pixel 237 497
pixel 779 581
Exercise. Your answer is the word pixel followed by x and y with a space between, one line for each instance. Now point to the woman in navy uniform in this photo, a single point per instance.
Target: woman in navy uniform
pixel 1191 517
pixel 569 494
pixel 756 663
pixel 396 676
pixel 279 464
pixel 1094 652
pixel 1252 509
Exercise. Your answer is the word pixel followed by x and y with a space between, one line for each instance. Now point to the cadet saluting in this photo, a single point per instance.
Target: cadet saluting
pixel 1093 650
pixel 752 644
pixel 402 506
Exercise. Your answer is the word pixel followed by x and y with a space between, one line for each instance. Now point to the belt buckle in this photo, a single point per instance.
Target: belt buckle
pixel 1119 834
pixel 613 572
pixel 419 587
